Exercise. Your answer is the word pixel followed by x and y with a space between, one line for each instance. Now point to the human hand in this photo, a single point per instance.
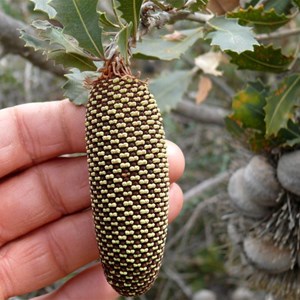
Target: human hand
pixel 46 226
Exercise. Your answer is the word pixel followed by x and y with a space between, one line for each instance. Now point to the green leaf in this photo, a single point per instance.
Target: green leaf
pixel 247 119
pixel 131 13
pixel 280 104
pixel 176 3
pixel 36 43
pixel 297 3
pixel 229 35
pixel 72 60
pixel 55 36
pixel 105 22
pixel 264 21
pixel 263 58
pixel 290 136
pixel 163 49
pixel 248 106
pixel 122 41
pixel 43 5
pixel 57 52
pixel 169 87
pixel 197 5
pixel 281 7
pixel 80 20
pixel 75 88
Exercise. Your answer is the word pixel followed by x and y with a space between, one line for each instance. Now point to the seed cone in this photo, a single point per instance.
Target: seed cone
pixel 129 181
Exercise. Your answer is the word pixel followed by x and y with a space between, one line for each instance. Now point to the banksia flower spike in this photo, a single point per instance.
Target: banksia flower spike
pixel 129 178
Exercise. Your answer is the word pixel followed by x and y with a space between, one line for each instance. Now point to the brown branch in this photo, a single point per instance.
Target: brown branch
pixel 202 113
pixel 278 34
pixel 205 185
pixel 12 43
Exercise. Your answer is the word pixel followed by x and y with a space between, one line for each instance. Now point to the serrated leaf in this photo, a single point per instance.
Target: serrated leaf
pixel 43 5
pixel 81 21
pixel 55 36
pixel 246 121
pixel 263 58
pixel 105 22
pixel 164 49
pixel 57 53
pixel 36 43
pixel 131 13
pixel 249 137
pixel 280 104
pixel 75 89
pixel 167 90
pixel 248 106
pixel 290 136
pixel 122 41
pixel 229 35
pixel 264 21
pixel 72 60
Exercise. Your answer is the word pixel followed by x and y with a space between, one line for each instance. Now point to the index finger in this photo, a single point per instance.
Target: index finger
pixel 36 132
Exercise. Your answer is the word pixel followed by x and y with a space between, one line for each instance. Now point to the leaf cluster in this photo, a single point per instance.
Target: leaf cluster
pixel 80 36
pixel 265 118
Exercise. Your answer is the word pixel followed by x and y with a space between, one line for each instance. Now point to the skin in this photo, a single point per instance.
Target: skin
pixel 46 227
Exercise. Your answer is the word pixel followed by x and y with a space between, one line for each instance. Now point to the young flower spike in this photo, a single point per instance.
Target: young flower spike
pixel 129 179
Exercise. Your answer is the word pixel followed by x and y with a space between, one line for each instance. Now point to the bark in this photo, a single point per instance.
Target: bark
pixel 12 43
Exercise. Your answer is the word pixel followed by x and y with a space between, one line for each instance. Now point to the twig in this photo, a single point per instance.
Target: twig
pixel 223 86
pixel 206 185
pixel 188 226
pixel 180 282
pixel 11 42
pixel 278 35
pixel 201 113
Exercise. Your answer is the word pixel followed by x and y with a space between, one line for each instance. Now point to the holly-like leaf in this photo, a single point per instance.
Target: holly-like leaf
pixel 36 43
pixel 280 104
pixel 229 35
pixel 247 119
pixel 262 20
pixel 75 88
pixel 123 37
pixel 131 13
pixel 248 106
pixel 165 49
pixel 55 36
pixel 169 87
pixel 81 21
pixel 290 136
pixel 105 22
pixel 43 5
pixel 57 52
pixel 263 58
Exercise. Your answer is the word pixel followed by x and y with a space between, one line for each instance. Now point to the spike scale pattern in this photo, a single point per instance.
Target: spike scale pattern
pixel 129 181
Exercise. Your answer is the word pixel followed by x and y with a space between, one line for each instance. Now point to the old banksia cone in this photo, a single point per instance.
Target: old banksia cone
pixel 129 180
